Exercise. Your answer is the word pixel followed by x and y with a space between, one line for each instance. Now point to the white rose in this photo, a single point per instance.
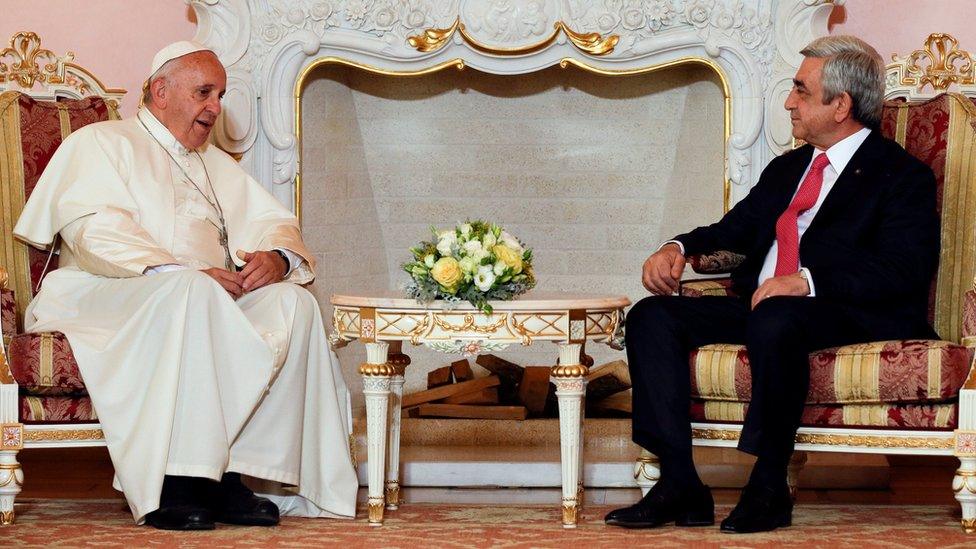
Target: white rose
pixel 472 246
pixel 489 240
pixel 480 254
pixel 446 240
pixel 511 242
pixel 485 278
pixel 429 260
pixel 499 268
pixel 466 229
pixel 468 264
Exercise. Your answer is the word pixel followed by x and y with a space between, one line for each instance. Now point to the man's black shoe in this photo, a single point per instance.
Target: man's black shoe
pixel 181 517
pixel 760 509
pixel 235 503
pixel 661 505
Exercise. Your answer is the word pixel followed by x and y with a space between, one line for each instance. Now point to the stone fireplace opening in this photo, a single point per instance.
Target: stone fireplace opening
pixel 591 171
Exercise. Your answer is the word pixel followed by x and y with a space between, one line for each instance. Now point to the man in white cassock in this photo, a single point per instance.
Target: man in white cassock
pixel 202 364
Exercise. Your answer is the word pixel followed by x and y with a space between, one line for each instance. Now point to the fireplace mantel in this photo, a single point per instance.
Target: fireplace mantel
pixel 268 45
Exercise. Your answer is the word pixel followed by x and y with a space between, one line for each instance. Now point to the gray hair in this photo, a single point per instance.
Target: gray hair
pixel 852 66
pixel 165 71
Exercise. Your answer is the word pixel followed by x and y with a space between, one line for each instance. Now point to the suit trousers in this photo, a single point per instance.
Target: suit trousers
pixel 778 334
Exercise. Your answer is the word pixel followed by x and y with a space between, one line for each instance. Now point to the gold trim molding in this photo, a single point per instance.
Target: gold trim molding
pixel 591 43
pixel 60 435
pixel 869 441
pixel 459 64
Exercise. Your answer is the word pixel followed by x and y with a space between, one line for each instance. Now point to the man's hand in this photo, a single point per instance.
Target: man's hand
pixel 663 269
pixel 791 284
pixel 228 280
pixel 261 268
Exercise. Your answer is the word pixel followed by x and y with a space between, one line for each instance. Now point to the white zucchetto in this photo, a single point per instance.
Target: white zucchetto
pixel 173 51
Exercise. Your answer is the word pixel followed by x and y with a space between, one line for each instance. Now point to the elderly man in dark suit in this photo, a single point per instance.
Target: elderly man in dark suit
pixel 841 239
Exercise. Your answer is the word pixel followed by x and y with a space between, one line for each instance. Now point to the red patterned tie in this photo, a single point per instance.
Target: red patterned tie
pixel 787 233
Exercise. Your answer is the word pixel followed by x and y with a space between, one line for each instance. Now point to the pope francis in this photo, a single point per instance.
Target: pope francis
pixel 178 291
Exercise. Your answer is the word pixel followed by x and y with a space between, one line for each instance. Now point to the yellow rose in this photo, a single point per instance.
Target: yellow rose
pixel 447 273
pixel 509 257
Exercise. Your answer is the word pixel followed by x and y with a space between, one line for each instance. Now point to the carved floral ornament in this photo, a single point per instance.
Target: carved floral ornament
pixel 510 27
pixel 23 55
pixel 940 64
pixel 26 65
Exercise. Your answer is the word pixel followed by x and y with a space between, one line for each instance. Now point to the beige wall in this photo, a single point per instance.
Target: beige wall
pixel 590 171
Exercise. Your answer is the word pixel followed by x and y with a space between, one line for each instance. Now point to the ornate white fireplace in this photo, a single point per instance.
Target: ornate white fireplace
pixel 271 46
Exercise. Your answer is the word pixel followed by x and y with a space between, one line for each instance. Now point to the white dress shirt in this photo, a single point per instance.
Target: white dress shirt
pixel 840 155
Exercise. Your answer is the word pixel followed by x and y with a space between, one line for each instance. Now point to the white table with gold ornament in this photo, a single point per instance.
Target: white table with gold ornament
pixel 384 322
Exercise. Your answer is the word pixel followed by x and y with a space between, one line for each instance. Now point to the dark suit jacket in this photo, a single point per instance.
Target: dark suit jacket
pixel 873 246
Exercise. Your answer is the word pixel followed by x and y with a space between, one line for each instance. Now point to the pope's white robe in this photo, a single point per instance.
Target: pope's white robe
pixel 185 380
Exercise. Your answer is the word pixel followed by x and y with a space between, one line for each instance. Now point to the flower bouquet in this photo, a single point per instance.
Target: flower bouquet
pixel 474 262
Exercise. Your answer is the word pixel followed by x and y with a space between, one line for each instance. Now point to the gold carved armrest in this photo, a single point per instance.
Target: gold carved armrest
pixel 707 286
pixel 969 319
pixel 8 325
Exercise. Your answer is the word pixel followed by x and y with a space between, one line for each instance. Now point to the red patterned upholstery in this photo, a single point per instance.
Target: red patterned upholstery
pixel 910 371
pixel 897 384
pixel 8 315
pixel 56 409
pixel 42 364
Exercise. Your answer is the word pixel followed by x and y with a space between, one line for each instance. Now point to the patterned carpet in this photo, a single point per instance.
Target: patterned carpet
pixel 75 523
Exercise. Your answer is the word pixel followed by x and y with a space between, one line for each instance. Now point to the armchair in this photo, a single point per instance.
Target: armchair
pixel 887 397
pixel 43 401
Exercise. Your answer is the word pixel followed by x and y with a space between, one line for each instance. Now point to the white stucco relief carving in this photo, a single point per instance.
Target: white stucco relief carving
pixel 267 43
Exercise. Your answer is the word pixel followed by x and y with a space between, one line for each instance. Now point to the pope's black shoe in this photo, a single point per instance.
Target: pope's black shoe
pixel 663 504
pixel 760 509
pixel 182 505
pixel 234 503
pixel 181 517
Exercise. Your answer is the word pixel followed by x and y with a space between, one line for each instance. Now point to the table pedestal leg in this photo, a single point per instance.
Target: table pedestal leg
pixel 377 374
pixel 399 361
pixel 570 380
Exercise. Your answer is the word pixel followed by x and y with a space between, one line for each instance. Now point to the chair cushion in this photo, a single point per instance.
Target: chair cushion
pixel 909 371
pixel 56 409
pixel 903 416
pixel 43 364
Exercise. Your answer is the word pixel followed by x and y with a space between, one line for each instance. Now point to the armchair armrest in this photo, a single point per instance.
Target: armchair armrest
pixel 969 318
pixel 8 326
pixel 720 262
pixel 707 286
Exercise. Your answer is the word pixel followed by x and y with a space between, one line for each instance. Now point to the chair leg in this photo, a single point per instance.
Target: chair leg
pixel 964 485
pixel 647 471
pixel 11 481
pixel 797 461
